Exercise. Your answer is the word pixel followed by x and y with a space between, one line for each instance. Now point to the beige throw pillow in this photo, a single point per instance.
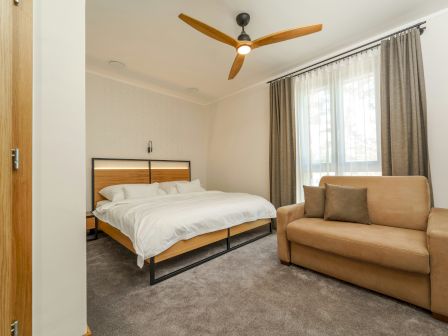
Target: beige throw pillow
pixel 346 204
pixel 314 201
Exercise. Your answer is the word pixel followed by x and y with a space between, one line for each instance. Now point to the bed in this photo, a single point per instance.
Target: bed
pixel 160 228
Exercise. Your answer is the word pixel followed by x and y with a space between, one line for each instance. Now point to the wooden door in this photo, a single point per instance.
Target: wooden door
pixel 15 184
pixel 6 255
pixel 22 105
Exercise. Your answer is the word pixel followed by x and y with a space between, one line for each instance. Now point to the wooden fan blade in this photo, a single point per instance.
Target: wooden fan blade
pixel 285 35
pixel 236 66
pixel 209 31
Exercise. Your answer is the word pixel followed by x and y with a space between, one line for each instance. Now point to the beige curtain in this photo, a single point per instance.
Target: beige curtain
pixel 282 156
pixel 404 141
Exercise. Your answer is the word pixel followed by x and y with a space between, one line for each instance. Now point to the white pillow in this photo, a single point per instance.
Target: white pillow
pixel 133 191
pixel 100 203
pixel 113 193
pixel 167 186
pixel 161 192
pixel 173 190
pixel 194 186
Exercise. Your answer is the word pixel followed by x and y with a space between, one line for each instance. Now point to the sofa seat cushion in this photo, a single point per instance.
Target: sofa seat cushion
pixel 398 248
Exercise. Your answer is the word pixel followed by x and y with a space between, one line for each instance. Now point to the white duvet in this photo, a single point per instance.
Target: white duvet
pixel 154 224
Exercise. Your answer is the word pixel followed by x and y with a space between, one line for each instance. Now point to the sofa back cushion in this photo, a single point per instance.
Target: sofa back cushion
pixel 399 201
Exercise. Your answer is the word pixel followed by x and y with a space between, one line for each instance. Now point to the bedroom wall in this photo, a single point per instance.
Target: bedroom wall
pixel 121 118
pixel 59 242
pixel 435 56
pixel 239 143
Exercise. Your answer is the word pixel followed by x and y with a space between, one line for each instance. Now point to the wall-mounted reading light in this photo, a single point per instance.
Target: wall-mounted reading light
pixel 149 146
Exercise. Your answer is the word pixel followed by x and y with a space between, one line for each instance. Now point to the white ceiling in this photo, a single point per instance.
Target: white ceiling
pixel 163 53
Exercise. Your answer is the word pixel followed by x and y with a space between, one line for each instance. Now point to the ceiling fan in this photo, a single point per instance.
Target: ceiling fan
pixel 244 44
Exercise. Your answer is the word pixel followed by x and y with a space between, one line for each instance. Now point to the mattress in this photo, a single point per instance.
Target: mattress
pixel 155 224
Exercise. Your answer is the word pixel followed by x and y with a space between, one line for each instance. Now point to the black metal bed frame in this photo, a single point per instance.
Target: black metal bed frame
pixel 152 265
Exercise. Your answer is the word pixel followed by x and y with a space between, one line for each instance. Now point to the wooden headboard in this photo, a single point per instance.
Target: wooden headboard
pixel 107 171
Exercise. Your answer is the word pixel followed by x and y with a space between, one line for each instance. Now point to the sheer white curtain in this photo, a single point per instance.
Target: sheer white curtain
pixel 338 120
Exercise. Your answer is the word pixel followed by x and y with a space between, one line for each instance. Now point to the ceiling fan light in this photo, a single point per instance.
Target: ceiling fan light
pixel 244 49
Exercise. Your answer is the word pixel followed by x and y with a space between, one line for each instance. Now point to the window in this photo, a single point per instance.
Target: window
pixel 338 121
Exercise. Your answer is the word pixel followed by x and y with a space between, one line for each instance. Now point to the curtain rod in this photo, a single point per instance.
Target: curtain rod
pixel 348 53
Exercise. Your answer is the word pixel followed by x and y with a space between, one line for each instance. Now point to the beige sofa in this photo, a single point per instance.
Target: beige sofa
pixel 404 253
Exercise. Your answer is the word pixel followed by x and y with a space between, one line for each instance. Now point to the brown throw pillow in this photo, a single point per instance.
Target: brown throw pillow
pixel 346 204
pixel 314 201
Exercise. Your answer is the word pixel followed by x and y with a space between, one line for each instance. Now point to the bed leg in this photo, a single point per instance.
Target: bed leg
pixel 96 228
pixel 152 271
pixel 270 226
pixel 228 239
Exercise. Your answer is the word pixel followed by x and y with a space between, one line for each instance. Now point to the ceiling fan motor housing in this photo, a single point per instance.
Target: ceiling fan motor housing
pixel 243 36
pixel 242 20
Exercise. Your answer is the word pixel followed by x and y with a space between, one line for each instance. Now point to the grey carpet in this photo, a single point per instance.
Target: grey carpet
pixel 245 292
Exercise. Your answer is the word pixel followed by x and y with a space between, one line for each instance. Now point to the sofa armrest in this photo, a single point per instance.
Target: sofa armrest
pixel 286 215
pixel 438 255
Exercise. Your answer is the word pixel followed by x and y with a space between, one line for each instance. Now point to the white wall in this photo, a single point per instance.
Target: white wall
pixel 239 143
pixel 59 243
pixel 435 57
pixel 122 118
